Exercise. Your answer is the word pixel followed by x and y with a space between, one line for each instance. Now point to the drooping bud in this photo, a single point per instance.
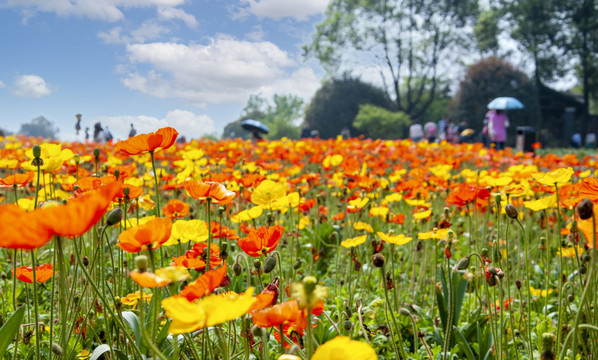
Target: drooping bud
pixel 237 269
pixel 378 260
pixel 297 264
pixel 403 311
pixel 114 216
pixel 257 263
pixel 85 261
pixel 511 211
pixel 462 264
pixel 56 349
pixel 585 209
pixel 269 264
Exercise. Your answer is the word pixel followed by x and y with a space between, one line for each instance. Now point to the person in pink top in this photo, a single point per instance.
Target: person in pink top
pixel 497 128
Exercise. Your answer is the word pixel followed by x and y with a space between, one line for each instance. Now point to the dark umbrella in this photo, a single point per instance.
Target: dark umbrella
pixel 254 125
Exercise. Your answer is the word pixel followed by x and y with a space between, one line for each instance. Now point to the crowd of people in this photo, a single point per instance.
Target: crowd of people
pixel 494 131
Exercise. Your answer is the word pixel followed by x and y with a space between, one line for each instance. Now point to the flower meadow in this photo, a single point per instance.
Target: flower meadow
pixel 153 248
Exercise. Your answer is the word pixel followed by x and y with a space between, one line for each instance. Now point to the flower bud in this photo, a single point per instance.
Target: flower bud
pixel 257 263
pixel 116 173
pixel 96 154
pixel 37 161
pixel 114 216
pixel 583 269
pixel 141 263
pixel 257 331
pixel 37 151
pixel 498 198
pixel 585 209
pixel 518 284
pixel 56 349
pixel 511 211
pixel 269 264
pixel 297 264
pixel 347 325
pixel 403 311
pixel 77 158
pixel 237 269
pixel 126 191
pixel 571 298
pixel 85 261
pixel 378 260
pixel 462 264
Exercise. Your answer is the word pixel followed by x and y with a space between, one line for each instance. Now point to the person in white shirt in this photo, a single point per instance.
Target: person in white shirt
pixel 416 131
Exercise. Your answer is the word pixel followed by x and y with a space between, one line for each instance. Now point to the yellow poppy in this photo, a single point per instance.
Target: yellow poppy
pixel 394 197
pixel 247 215
pixel 423 214
pixel 434 234
pixel 539 292
pixel 187 230
pixel 360 225
pixel 359 202
pixel 267 192
pixel 416 202
pixel 542 203
pixel 303 222
pixel 188 316
pixel 342 347
pixel 570 251
pixel 332 160
pixel 354 241
pixel 557 177
pixel 400 239
pixel 379 211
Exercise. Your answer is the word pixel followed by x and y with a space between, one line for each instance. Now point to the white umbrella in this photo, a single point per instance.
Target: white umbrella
pixel 505 103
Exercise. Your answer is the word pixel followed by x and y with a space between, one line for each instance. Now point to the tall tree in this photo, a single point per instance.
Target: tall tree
pixel 39 127
pixel 409 41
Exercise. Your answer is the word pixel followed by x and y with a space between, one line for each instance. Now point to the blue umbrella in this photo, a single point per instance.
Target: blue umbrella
pixel 254 125
pixel 505 103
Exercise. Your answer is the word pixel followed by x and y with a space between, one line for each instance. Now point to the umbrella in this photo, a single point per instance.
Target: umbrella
pixel 254 125
pixel 505 103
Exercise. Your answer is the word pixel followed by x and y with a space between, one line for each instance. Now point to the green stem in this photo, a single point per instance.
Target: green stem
pixel 208 201
pixel 157 208
pixel 529 300
pixel 35 322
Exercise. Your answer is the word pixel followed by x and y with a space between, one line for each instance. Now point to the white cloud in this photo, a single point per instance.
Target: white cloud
pixel 225 70
pixel 278 9
pixel 149 30
pixel 187 123
pixel 31 86
pixel 172 13
pixel 2 84
pixel 106 10
pixel 257 34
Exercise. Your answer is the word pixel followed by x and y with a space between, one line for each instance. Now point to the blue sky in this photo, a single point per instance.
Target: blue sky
pixel 190 64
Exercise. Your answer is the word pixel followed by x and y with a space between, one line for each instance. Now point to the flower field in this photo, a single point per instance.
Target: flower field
pixel 151 248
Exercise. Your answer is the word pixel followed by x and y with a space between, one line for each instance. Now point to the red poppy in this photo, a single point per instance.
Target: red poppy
pixel 18 180
pixel 152 235
pixel 283 313
pixel 219 230
pixel 261 241
pixel 465 193
pixel 217 192
pixel 42 273
pixel 589 189
pixel 175 209
pixel 161 139
pixel 204 284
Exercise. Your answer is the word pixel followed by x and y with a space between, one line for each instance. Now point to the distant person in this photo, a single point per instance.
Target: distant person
pixel 97 132
pixel 451 131
pixel 441 134
pixel 497 128
pixel 256 136
pixel 108 135
pixel 306 131
pixel 346 133
pixel 78 124
pixel 87 133
pixel 416 132
pixel 591 140
pixel 430 131
pixel 576 141
pixel 132 132
pixel 315 133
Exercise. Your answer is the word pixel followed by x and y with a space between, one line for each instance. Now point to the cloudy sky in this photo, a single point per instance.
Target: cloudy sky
pixel 190 64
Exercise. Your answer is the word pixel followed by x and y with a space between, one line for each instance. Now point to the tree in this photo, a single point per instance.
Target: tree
pixel 486 32
pixel 379 123
pixel 282 117
pixel 490 78
pixel 409 41
pixel 336 103
pixel 40 127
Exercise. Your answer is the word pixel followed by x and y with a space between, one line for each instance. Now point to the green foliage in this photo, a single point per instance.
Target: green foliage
pixel 486 32
pixel 336 103
pixel 377 122
pixel 39 127
pixel 281 117
pixel 10 329
pixel 490 78
pixel 412 39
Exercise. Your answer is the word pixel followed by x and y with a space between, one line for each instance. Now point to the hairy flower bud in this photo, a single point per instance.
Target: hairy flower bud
pixel 378 260
pixel 462 264
pixel 511 211
pixel 237 269
pixel 37 151
pixel 269 264
pixel 141 263
pixel 116 173
pixel 585 209
pixel 56 349
pixel 96 154
pixel 114 216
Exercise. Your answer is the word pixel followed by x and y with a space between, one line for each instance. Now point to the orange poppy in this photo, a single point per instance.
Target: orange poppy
pixel 261 240
pixel 79 214
pixel 161 139
pixel 175 209
pixel 134 192
pixel 43 273
pixel 219 230
pixel 190 263
pixel 283 313
pixel 30 230
pixel 589 189
pixel 204 284
pixel 152 235
pixel 18 180
pixel 148 279
pixel 214 190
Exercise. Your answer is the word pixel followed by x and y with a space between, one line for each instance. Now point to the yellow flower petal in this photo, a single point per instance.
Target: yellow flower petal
pixel 354 241
pixel 342 347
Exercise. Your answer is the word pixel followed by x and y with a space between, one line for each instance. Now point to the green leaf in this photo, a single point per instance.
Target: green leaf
pixel 133 321
pixel 463 343
pixel 97 352
pixel 10 328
